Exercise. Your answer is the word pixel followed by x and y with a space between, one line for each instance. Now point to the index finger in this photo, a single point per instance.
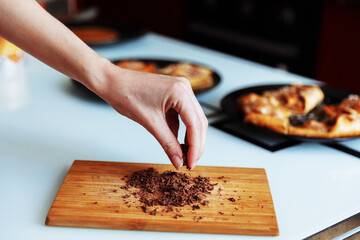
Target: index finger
pixel 194 134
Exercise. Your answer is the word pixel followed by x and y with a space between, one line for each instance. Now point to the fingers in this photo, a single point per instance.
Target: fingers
pixel 204 125
pixel 161 131
pixel 195 122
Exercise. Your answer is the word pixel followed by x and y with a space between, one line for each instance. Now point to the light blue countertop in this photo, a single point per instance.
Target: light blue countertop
pixel 45 126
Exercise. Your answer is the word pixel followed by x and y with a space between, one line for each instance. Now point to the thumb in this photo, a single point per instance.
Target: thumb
pixel 168 142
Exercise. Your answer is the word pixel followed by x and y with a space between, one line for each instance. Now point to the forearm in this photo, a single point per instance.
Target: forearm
pixel 27 25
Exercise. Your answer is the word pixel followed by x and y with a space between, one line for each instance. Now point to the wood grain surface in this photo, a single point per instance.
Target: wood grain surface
pixel 91 196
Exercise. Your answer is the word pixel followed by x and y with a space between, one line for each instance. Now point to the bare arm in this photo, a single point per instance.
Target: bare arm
pixel 152 100
pixel 26 24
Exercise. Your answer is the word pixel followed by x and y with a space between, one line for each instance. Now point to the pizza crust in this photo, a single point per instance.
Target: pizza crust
pixel 268 121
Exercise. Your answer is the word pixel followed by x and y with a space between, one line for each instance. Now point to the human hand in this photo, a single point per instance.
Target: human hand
pixel 155 101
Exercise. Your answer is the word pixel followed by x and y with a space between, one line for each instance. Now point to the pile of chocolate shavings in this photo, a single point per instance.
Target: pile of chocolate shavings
pixel 169 189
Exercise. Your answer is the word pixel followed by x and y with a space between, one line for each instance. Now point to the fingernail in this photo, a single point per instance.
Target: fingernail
pixel 177 162
pixel 193 166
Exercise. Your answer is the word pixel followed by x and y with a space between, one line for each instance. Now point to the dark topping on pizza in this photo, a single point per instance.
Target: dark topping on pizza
pixel 317 114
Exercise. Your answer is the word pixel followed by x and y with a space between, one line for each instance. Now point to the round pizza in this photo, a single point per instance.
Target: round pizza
pixel 298 110
pixel 199 77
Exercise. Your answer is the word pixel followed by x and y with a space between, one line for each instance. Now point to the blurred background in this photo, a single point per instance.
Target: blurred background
pixel 319 39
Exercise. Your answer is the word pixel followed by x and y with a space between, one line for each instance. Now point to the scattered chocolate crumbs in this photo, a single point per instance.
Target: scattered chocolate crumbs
pixel 221 213
pixel 126 196
pixel 129 205
pixel 236 208
pixel 145 209
pixel 221 177
pixel 169 188
pixel 126 176
pixel 221 203
pixel 195 207
pixel 232 214
pixel 84 193
pixel 153 212
pixel 185 149
pixel 231 199
pixel 225 181
pixel 122 179
pixel 177 216
pixel 262 206
pixel 169 209
pixel 95 202
pixel 220 189
pixel 250 196
pixel 205 202
pixel 114 191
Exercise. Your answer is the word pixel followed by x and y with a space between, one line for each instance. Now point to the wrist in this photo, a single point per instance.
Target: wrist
pixel 96 74
pixel 107 81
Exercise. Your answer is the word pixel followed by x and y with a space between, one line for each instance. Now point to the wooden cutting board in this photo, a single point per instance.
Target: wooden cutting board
pixel 91 196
